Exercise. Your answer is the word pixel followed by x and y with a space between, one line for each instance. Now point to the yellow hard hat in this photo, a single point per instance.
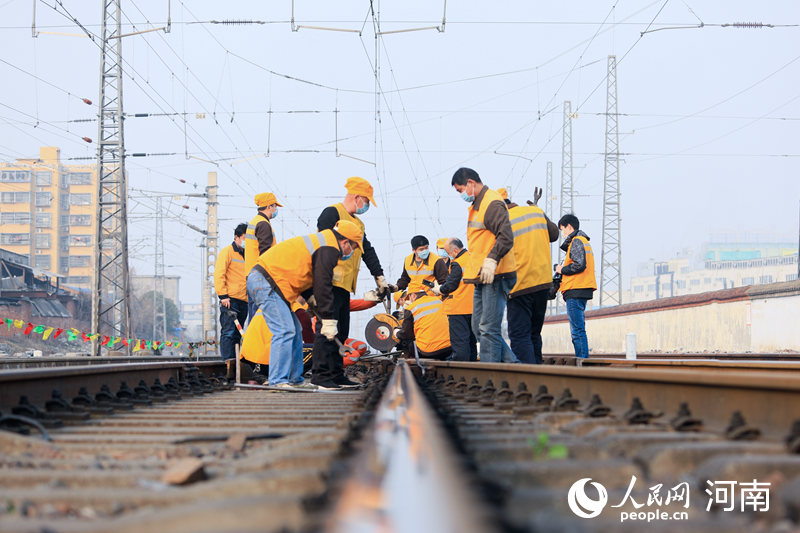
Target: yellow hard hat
pixel 441 242
pixel 361 187
pixel 266 199
pixel 397 295
pixel 349 230
pixel 503 193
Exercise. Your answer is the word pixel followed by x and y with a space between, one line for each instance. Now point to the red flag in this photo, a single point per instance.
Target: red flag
pixel 28 329
pixel 105 340
pixel 85 337
pixel 58 332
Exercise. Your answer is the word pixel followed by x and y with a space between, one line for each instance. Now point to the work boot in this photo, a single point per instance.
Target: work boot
pixel 344 381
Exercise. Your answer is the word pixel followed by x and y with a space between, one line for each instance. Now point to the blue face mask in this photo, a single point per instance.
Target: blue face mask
pixel 424 254
pixel 466 197
pixel 442 253
pixel 275 214
pixel 345 257
pixel 362 210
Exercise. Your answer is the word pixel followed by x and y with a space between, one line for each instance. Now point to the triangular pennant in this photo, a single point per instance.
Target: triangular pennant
pixel 47 333
pixel 28 329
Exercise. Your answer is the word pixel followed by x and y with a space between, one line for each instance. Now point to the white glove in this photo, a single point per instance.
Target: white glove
pixel 371 296
pixel 329 329
pixel 435 289
pixel 487 271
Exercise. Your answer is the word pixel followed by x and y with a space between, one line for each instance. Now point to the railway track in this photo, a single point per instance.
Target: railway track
pixel 469 447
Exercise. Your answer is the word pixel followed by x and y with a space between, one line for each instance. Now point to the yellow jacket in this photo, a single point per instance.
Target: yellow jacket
pixel 229 275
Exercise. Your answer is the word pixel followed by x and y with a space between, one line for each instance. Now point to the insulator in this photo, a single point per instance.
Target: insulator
pixel 185 206
pixel 182 180
pixel 86 101
pixel 87 139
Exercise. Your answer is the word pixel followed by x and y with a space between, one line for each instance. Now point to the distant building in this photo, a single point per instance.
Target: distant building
pixel 192 321
pixel 719 265
pixel 48 213
pixel 141 285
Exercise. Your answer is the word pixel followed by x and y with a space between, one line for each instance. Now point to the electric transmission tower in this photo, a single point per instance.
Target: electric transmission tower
pixel 567 192
pixel 110 287
pixel 611 263
pixel 209 309
pixel 159 282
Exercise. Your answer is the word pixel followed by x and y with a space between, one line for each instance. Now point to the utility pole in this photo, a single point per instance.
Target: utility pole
pixel 548 186
pixel 110 287
pixel 159 283
pixel 567 191
pixel 210 310
pixel 611 263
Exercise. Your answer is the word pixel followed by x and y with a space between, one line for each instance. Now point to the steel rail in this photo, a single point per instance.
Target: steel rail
pixel 407 477
pixel 766 399
pixel 38 384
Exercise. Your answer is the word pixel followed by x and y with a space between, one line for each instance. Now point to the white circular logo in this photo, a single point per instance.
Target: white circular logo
pixel 581 504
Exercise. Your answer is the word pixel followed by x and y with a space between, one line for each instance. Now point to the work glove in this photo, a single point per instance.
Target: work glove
pixel 329 329
pixel 436 288
pixel 384 288
pixel 487 271
pixel 371 296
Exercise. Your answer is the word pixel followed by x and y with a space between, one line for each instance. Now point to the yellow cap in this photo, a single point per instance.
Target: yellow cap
pixel 361 187
pixel 441 242
pixel 266 199
pixel 349 230
pixel 503 193
pixel 397 295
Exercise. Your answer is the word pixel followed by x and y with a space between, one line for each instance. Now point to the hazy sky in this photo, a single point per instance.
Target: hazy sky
pixel 709 116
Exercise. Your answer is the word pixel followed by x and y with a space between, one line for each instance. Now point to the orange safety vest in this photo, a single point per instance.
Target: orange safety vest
pixel 229 275
pixel 586 279
pixel 418 273
pixel 459 302
pixel 345 275
pixel 431 327
pixel 289 263
pixel 531 247
pixel 251 242
pixel 480 240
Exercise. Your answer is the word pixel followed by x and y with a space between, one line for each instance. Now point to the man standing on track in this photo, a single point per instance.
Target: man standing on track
pixel 492 268
pixel 527 301
pixel 259 236
pixel 229 284
pixel 328 367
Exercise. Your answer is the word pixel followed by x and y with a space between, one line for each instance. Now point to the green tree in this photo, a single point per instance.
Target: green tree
pixel 143 315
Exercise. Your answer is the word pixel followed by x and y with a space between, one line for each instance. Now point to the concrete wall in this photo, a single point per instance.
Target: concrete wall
pixel 756 319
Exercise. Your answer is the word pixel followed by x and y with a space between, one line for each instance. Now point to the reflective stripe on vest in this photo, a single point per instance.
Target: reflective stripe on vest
pixel 531 247
pixel 459 302
pixel 585 279
pixel 431 328
pixel 289 263
pixel 418 273
pixel 480 240
pixel 345 275
pixel 251 242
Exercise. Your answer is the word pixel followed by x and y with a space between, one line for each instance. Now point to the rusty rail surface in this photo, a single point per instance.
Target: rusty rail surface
pixel 534 434
pixel 198 457
pixel 10 363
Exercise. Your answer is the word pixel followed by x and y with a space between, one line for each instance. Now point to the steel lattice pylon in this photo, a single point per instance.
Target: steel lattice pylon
pixel 611 263
pixel 159 282
pixel 567 191
pixel 110 287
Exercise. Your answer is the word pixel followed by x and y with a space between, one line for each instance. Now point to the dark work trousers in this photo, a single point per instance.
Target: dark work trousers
pixel 439 355
pixel 326 362
pixel 229 336
pixel 462 339
pixel 525 320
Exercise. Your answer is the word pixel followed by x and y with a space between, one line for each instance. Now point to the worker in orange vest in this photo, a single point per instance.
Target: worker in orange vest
pixel 231 289
pixel 578 281
pixel 492 267
pixel 301 266
pixel 425 322
pixel 259 236
pixel 457 303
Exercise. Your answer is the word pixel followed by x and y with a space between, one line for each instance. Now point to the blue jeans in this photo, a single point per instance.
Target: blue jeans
pixel 286 346
pixel 488 308
pixel 525 320
pixel 228 335
pixel 577 325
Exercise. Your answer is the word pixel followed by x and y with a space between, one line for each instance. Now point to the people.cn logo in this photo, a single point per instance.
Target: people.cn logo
pixel 581 504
